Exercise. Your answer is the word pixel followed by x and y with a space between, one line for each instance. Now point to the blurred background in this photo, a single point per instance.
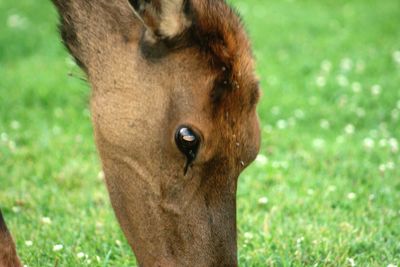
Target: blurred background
pixel 324 191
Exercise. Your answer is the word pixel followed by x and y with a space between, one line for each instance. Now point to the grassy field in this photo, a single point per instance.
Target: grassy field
pixel 325 190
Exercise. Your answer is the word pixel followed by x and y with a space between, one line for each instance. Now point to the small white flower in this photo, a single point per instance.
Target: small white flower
pixel 349 129
pixel 395 114
pixel 342 80
pixel 318 143
pixel 248 235
pixel 369 143
pixel 394 145
pixel 118 243
pixel 360 67
pixel 356 87
pixel 382 143
pixel 320 81
pixel 100 175
pixel 80 255
pixel 324 124
pixel 351 195
pixel 346 64
pixel 299 114
pixel 16 209
pixel 263 200
pixel 261 160
pixel 4 137
pixel 326 66
pixel 390 165
pixel 28 243
pixel 16 21
pixel 396 57
pixel 275 110
pixel 15 125
pixel 351 261
pixel 376 90
pixel 382 168
pixel 282 124
pixel 360 112
pixel 58 247
pixel 46 220
pixel 331 188
pixel 391 265
pixel 299 240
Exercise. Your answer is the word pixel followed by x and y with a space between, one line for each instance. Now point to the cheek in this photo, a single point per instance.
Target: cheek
pixel 254 138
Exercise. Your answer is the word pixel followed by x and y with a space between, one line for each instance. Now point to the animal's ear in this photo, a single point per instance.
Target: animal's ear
pixel 164 19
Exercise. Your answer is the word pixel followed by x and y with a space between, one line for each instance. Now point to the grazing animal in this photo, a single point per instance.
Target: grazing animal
pixel 174 113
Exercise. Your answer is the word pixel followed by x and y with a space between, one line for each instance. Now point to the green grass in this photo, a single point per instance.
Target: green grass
pixel 325 190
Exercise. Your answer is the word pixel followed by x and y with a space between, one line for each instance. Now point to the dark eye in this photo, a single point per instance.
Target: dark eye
pixel 188 142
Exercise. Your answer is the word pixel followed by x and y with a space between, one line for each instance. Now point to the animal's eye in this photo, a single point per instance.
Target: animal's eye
pixel 188 142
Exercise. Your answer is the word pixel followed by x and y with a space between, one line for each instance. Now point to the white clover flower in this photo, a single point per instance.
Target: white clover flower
pixel 299 240
pixel 394 145
pixel 16 209
pixel 15 125
pixel 28 243
pixel 356 87
pixel 395 114
pixel 16 21
pixel 382 143
pixel 352 262
pixel 326 66
pixel 318 143
pixel 346 64
pixel 369 143
pixel 261 160
pixel 349 129
pixel 80 255
pixel 46 220
pixel 263 200
pixel 4 137
pixel 342 80
pixel 320 81
pixel 299 114
pixel 360 67
pixel 331 188
pixel 58 247
pixel 390 165
pixel 376 90
pixel 118 243
pixel 100 175
pixel 396 57
pixel 324 124
pixel 281 124
pixel 391 265
pixel 248 235
pixel 360 112
pixel 382 168
pixel 275 110
pixel 351 195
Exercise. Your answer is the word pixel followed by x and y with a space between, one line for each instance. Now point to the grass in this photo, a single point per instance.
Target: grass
pixel 325 190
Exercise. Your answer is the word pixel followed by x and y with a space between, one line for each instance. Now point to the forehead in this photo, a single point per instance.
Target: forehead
pixel 221 43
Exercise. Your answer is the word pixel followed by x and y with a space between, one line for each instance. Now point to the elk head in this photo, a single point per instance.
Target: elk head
pixel 174 114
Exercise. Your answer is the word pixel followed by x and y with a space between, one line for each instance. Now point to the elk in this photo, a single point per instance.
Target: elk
pixel 173 107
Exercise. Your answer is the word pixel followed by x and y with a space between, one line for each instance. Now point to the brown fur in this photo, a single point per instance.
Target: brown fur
pixel 8 255
pixel 190 64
